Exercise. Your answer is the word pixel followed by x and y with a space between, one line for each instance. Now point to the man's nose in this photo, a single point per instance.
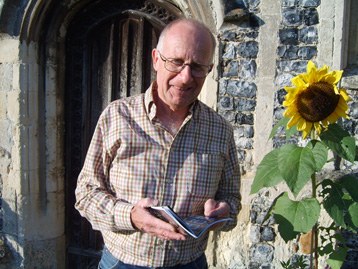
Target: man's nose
pixel 186 75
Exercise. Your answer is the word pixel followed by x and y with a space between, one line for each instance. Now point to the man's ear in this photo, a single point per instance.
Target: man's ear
pixel 155 59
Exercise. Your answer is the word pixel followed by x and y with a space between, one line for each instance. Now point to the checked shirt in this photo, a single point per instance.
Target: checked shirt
pixel 133 156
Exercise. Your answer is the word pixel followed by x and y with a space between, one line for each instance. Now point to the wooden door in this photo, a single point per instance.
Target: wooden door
pixel 108 56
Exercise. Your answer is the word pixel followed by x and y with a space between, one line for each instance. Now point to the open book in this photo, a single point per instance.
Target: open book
pixel 192 225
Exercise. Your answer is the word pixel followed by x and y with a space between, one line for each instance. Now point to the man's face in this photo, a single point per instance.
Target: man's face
pixel 190 45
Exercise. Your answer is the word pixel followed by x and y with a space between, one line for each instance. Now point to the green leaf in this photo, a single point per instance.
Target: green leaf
pixel 296 166
pixel 339 140
pixel 336 259
pixel 290 132
pixel 320 153
pixel 283 122
pixel 272 207
pixel 267 173
pixel 353 212
pixel 350 183
pixel 334 201
pixel 295 217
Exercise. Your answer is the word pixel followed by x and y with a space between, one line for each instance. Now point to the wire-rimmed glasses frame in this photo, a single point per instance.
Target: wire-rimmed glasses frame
pixel 176 66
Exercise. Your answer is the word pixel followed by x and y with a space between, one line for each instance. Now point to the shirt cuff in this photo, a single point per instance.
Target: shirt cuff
pixel 122 216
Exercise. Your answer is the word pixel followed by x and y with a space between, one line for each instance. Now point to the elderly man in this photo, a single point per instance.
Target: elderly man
pixel 161 147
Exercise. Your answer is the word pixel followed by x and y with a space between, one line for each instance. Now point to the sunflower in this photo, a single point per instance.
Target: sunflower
pixel 315 101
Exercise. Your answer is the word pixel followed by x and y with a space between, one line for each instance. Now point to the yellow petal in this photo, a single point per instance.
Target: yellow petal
pixel 299 82
pixel 344 94
pixel 342 104
pixel 333 117
pixel 291 90
pixel 318 128
pixel 307 130
pixel 311 67
pixel 291 110
pixel 293 121
pixel 301 124
pixel 333 77
pixel 321 73
pixel 325 123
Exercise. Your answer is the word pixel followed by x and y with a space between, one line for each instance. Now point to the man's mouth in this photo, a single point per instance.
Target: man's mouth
pixel 181 88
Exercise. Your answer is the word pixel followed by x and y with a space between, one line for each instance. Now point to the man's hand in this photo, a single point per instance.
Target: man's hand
pixel 214 208
pixel 144 221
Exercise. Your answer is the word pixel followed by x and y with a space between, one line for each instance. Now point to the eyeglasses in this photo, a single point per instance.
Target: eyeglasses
pixel 177 65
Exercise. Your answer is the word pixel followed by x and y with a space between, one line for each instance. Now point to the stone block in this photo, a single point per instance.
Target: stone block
pixel 284 79
pixel 244 143
pixel 230 116
pixel 289 3
pixel 241 155
pixel 310 3
pixel 289 35
pixel 288 52
pixel 243 131
pixel 229 51
pixel 245 104
pixel 231 69
pixel 307 53
pixel 13 111
pixel 248 49
pixel 247 69
pixel 311 16
pixel 222 86
pixel 255 234
pixel 225 103
pixel 308 35
pixel 228 36
pixel 241 88
pixel 6 71
pixel 245 118
pixel 261 253
pixel 9 49
pixel 267 234
pixel 292 17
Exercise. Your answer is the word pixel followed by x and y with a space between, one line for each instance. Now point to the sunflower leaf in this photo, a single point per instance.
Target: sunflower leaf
pixel 320 153
pixel 267 173
pixel 296 165
pixel 339 140
pixel 282 122
pixel 295 217
pixel 353 212
pixel 350 183
pixel 337 258
pixel 335 202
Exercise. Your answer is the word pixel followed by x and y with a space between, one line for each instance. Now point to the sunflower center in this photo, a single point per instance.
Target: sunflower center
pixel 317 102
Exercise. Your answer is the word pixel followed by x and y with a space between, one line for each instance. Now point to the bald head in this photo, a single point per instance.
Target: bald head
pixel 197 29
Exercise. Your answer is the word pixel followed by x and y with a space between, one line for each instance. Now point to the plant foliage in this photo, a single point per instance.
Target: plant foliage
pixel 296 166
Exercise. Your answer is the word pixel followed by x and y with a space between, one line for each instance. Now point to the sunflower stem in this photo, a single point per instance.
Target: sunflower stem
pixel 314 238
pixel 313 135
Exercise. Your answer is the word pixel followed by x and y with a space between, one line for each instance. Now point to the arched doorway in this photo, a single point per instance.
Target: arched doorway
pixel 108 56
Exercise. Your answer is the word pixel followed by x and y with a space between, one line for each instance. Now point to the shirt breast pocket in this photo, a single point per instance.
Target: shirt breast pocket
pixel 203 173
